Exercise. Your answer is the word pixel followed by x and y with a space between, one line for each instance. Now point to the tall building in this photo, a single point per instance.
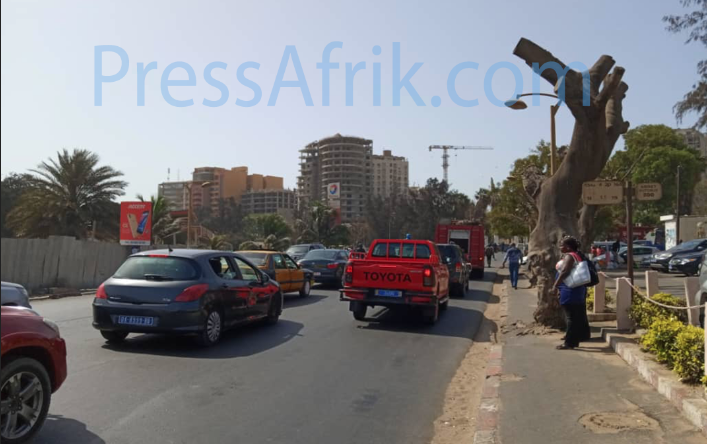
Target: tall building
pixel 345 160
pixel 390 174
pixel 694 139
pixel 175 194
pixel 265 201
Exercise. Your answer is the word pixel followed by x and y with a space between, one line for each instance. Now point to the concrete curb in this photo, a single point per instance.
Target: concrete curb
pixel 61 296
pixel 683 397
pixel 488 414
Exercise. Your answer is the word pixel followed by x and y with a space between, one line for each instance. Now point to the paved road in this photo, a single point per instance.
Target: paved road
pixel 316 377
pixel 672 283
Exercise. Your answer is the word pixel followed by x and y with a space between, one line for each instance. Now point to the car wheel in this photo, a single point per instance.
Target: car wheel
pixel 26 394
pixel 114 337
pixel 430 314
pixel 213 327
pixel 359 312
pixel 275 310
pixel 306 288
pixel 444 305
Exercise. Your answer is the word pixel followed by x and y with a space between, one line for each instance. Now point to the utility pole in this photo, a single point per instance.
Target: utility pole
pixel 629 229
pixel 677 209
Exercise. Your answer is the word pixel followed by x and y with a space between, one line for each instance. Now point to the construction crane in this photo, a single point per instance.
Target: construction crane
pixel 445 154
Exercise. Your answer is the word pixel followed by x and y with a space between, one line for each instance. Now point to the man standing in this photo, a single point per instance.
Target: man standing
pixel 513 256
pixel 490 253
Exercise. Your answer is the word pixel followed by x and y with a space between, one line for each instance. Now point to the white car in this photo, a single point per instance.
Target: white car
pixel 640 252
pixel 15 294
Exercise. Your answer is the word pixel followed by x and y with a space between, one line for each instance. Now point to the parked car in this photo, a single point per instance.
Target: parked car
pixel 459 271
pixel 661 261
pixel 640 252
pixel 397 273
pixel 33 367
pixel 297 252
pixel 700 297
pixel 326 265
pixel 688 264
pixel 14 294
pixel 643 243
pixel 283 269
pixel 197 292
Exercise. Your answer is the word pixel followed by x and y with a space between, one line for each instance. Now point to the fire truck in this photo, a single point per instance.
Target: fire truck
pixel 470 237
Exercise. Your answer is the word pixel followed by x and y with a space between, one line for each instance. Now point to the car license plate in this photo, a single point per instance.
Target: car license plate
pixel 316 273
pixel 389 293
pixel 136 320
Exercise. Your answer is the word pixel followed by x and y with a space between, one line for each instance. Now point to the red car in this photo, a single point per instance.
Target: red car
pixel 397 273
pixel 33 367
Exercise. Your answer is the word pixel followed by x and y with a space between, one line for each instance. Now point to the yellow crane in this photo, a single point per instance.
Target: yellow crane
pixel 445 154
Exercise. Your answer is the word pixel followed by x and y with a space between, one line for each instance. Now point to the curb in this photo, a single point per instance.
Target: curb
pixel 663 380
pixel 61 296
pixel 489 410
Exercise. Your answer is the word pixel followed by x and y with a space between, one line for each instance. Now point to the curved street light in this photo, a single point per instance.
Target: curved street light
pixel 518 104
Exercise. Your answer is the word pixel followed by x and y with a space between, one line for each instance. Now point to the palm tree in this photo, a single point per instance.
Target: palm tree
pixel 70 195
pixel 163 225
pixel 217 242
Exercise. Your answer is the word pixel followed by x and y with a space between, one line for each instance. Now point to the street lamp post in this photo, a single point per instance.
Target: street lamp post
pixel 518 104
pixel 190 208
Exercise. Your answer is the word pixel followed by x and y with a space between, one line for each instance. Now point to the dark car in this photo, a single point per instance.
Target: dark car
pixel 453 257
pixel 688 264
pixel 298 252
pixel 33 367
pixel 327 265
pixel 661 261
pixel 196 292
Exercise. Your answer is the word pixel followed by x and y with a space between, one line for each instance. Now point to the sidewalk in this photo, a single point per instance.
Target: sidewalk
pixel 589 395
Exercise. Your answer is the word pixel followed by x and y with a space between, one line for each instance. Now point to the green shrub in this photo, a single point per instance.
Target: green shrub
pixel 661 339
pixel 644 312
pixel 608 299
pixel 689 354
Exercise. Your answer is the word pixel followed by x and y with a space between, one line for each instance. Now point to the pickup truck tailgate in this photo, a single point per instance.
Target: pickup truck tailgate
pixel 388 275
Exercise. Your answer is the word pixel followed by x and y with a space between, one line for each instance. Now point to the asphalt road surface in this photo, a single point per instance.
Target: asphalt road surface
pixel 318 376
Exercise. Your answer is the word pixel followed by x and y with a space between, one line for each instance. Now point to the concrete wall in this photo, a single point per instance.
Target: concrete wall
pixel 59 262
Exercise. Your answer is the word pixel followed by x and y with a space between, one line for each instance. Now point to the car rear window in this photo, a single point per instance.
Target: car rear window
pixel 257 259
pixel 322 254
pixel 448 251
pixel 380 250
pixel 298 250
pixel 422 251
pixel 165 268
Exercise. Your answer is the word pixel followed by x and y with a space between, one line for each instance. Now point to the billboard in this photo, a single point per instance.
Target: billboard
pixel 135 223
pixel 333 191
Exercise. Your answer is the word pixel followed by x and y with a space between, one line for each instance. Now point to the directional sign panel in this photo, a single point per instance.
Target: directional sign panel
pixel 602 193
pixel 649 191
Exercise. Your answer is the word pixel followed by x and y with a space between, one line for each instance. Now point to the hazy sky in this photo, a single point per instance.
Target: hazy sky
pixel 48 80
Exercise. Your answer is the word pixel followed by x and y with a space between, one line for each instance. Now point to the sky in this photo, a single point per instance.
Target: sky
pixel 48 80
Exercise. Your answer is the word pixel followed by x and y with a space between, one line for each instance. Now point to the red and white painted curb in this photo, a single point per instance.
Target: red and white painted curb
pixel 487 417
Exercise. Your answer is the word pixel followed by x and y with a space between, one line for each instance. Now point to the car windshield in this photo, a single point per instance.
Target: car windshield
pixel 689 245
pixel 298 249
pixel 257 259
pixel 158 268
pixel 322 254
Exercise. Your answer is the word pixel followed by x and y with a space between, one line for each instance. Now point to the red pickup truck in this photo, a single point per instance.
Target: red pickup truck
pixel 395 273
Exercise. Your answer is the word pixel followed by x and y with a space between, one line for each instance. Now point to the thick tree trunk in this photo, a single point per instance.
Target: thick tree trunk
pixel 596 129
pixel 586 226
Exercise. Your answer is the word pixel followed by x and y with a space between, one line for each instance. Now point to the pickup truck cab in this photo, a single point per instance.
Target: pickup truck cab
pixel 397 273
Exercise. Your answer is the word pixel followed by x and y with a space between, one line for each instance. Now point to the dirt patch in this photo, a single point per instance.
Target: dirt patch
pixel 520 328
pixel 617 422
pixel 457 423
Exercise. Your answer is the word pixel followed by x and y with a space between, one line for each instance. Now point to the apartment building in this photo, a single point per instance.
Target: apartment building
pixel 267 201
pixel 694 139
pixel 175 194
pixel 390 174
pixel 345 160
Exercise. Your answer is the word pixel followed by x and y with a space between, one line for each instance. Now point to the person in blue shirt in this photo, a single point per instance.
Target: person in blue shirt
pixel 572 300
pixel 514 257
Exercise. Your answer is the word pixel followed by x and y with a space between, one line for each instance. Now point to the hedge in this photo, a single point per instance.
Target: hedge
pixel 644 312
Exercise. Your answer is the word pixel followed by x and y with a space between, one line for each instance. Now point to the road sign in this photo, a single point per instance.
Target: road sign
pixel 135 223
pixel 649 191
pixel 602 192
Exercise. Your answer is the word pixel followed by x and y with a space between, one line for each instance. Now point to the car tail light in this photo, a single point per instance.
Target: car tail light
pixel 332 266
pixel 420 300
pixel 428 279
pixel 458 268
pixel 349 274
pixel 157 255
pixel 101 292
pixel 192 293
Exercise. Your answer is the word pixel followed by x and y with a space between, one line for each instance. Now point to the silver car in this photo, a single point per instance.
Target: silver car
pixel 15 294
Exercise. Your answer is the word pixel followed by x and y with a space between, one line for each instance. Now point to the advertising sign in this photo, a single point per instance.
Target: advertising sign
pixel 649 191
pixel 334 194
pixel 135 223
pixel 602 193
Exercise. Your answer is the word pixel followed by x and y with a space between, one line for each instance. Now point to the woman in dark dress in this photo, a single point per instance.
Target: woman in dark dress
pixel 572 300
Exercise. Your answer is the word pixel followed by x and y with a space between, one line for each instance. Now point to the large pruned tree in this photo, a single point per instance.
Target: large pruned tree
pixel 598 125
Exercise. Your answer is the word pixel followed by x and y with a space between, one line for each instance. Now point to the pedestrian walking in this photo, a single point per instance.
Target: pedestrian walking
pixel 490 254
pixel 513 257
pixel 572 300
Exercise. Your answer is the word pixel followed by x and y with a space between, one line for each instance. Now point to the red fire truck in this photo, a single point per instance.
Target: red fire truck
pixel 470 237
